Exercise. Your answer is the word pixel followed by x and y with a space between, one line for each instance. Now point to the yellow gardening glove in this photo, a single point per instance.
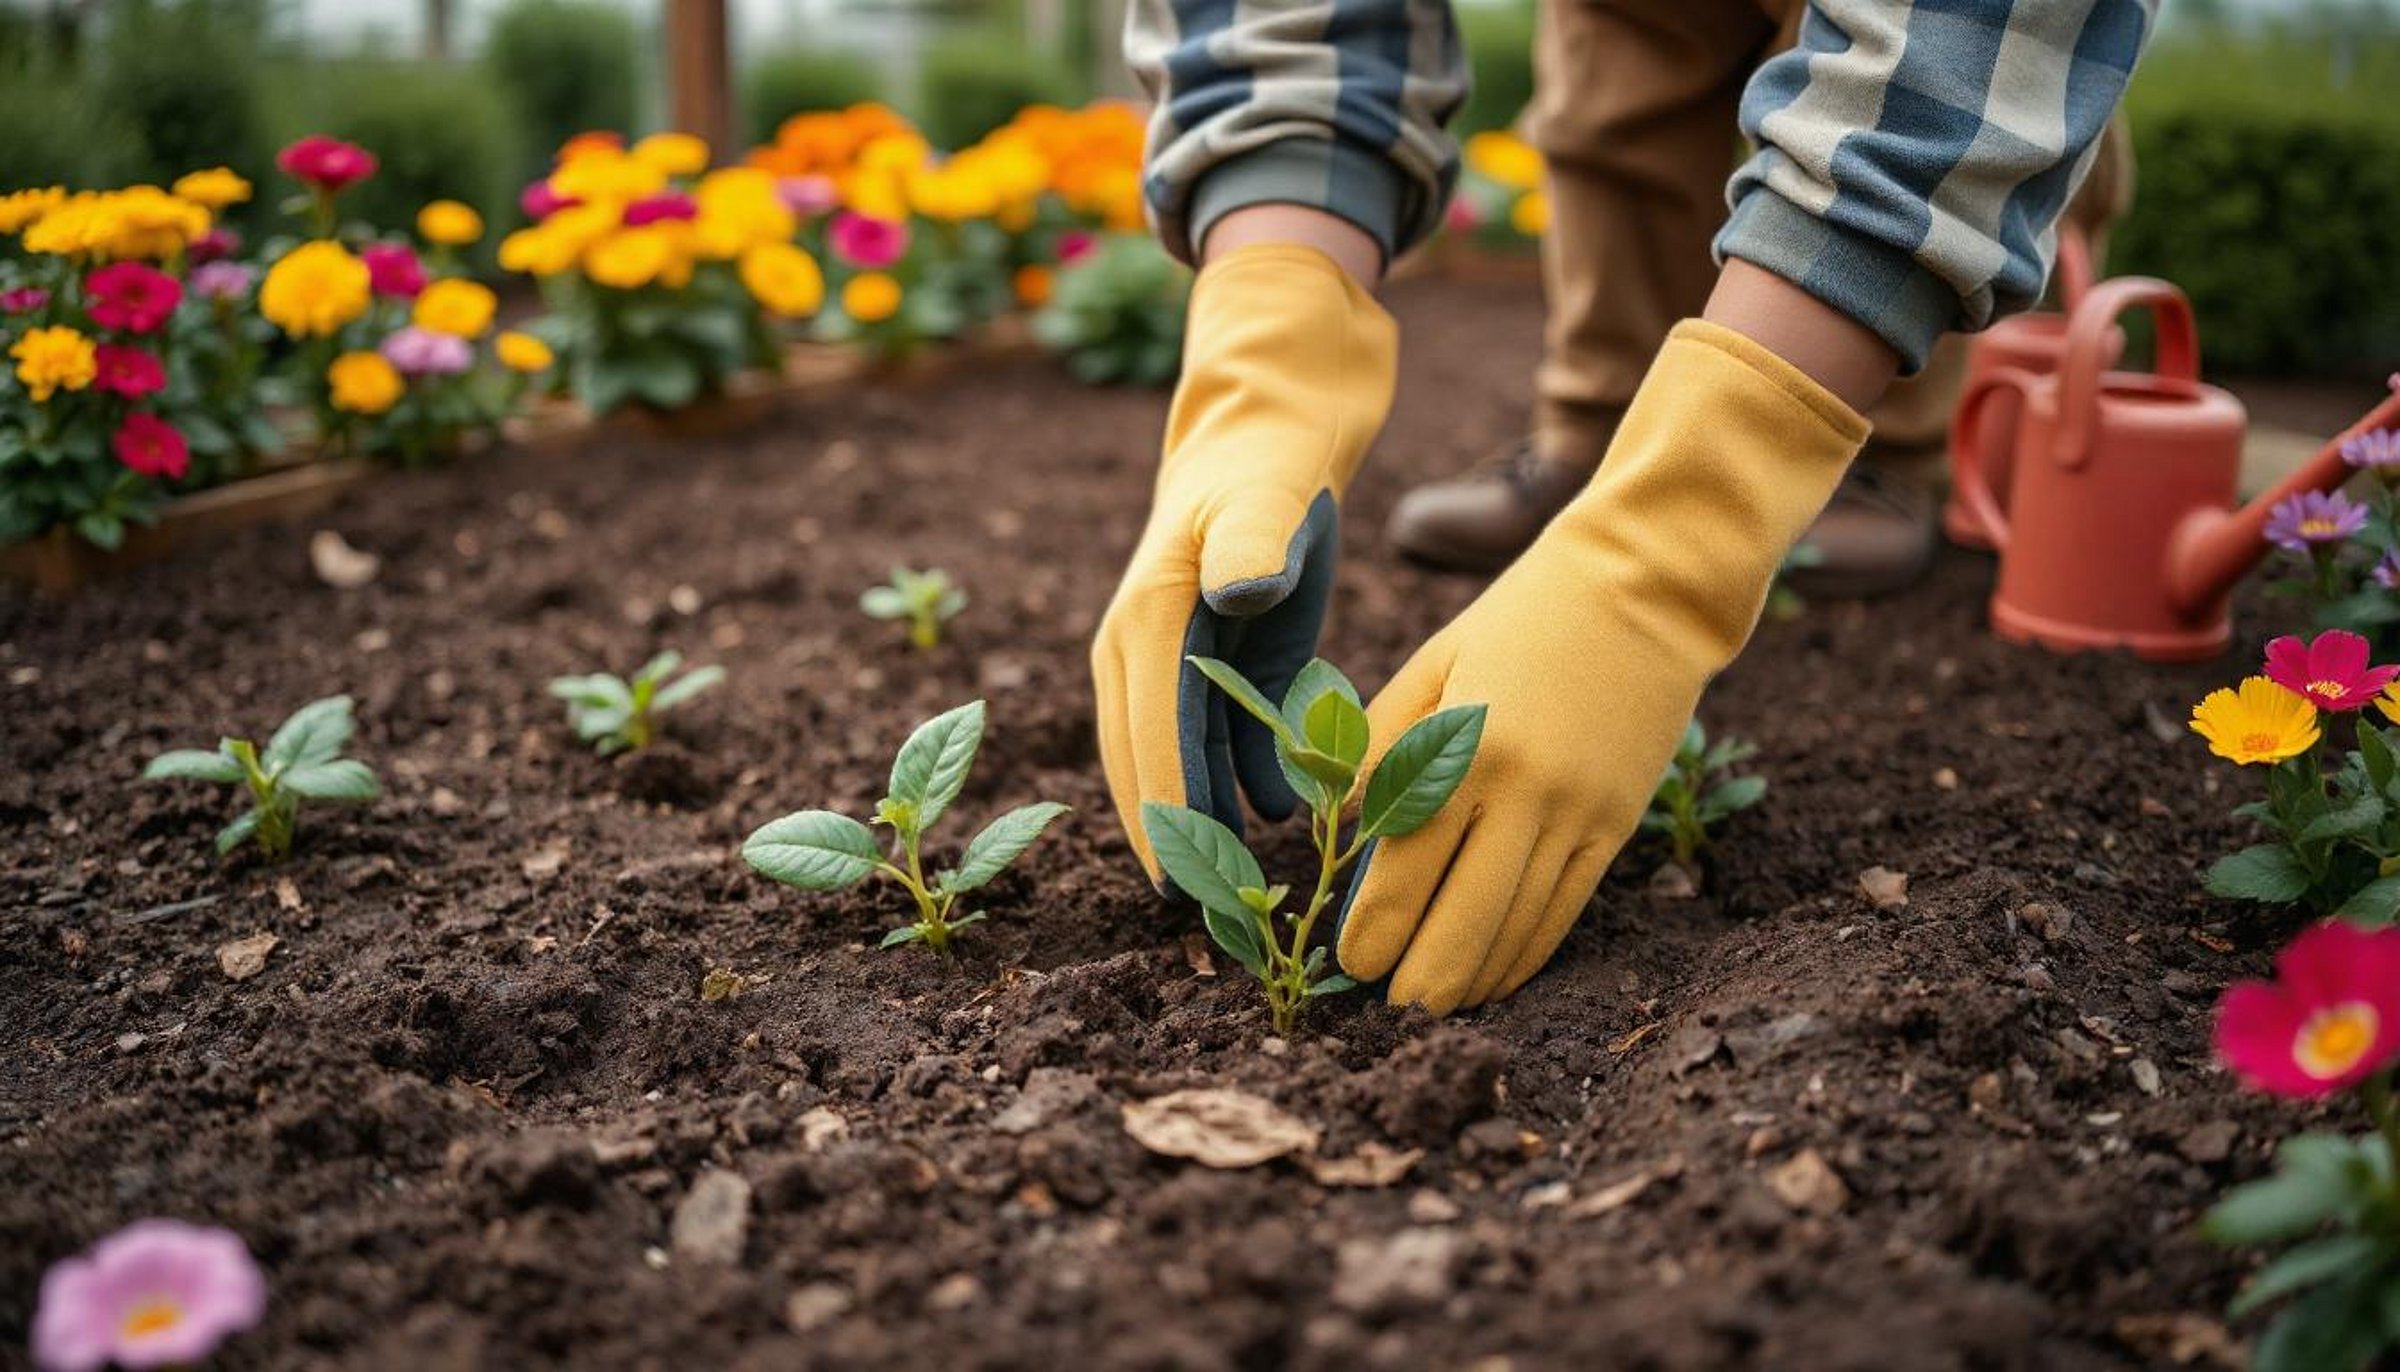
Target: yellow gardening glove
pixel 1287 375
pixel 1591 652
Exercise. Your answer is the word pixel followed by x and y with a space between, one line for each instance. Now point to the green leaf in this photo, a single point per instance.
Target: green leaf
pixel 1202 857
pixel 683 688
pixel 1695 740
pixel 1421 772
pixel 2375 751
pixel 1315 678
pixel 1331 986
pixel 1337 727
pixel 2268 873
pixel 2303 1267
pixel 316 732
pixel 814 850
pixel 236 834
pixel 1330 772
pixel 1236 931
pixel 2375 904
pixel 2334 1328
pixel 192 764
pixel 932 765
pixel 2318 1176
pixel 910 933
pixel 599 691
pixel 990 851
pixel 2358 815
pixel 884 602
pixel 1247 696
pixel 343 779
pixel 657 668
pixel 1731 797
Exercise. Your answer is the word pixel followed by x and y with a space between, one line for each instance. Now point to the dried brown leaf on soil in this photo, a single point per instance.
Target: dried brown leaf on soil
pixel 1808 1184
pixel 1217 1127
pixel 1887 889
pixel 1373 1165
pixel 339 565
pixel 1618 1195
pixel 287 895
pixel 546 861
pixel 2184 1339
pixel 245 958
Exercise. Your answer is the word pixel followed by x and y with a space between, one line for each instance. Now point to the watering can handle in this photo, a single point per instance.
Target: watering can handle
pixel 2088 331
pixel 2075 278
pixel 1967 474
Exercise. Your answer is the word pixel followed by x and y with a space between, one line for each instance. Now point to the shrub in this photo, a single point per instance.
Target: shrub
pixel 182 75
pixel 440 132
pixel 796 80
pixel 973 83
pixel 59 132
pixel 564 66
pixel 1499 39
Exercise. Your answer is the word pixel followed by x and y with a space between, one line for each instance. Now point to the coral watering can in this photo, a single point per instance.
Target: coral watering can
pixel 2032 343
pixel 2122 529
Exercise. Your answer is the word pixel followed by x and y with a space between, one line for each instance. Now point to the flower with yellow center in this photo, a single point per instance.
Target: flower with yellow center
pixel 213 188
pixel 146 223
pixel 314 290
pixel 630 259
pixel 783 278
pixel 2257 722
pixel 54 359
pixel 462 309
pixel 20 208
pixel 1505 158
pixel 871 297
pixel 2332 1040
pixel 450 223
pixel 522 352
pixel 1530 216
pixel 364 383
pixel 672 154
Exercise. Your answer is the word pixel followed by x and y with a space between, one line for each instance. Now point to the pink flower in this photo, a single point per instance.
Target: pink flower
pixel 327 164
pixel 665 205
pixel 23 300
pixel 150 445
pixel 808 196
pixel 2332 672
pixel 214 246
pixel 223 281
pixel 153 1294
pixel 1076 244
pixel 129 372
pixel 132 297
pixel 393 270
pixel 2329 1020
pixel 539 202
pixel 865 241
pixel 422 352
pixel 1462 216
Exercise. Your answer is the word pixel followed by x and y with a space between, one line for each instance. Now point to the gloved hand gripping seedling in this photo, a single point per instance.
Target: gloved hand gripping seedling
pixel 818 850
pixel 1321 744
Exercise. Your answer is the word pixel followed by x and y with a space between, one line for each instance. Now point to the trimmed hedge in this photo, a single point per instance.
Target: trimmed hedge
pixel 59 133
pixel 972 83
pixel 793 81
pixel 566 66
pixel 1499 39
pixel 182 75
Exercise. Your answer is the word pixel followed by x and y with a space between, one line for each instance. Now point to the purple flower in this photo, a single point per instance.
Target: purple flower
pixel 156 1292
pixel 23 300
pixel 2378 449
pixel 2311 518
pixel 422 352
pixel 223 280
pixel 2387 572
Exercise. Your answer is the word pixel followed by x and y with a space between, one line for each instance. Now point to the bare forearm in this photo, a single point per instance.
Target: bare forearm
pixel 1838 353
pixel 1352 249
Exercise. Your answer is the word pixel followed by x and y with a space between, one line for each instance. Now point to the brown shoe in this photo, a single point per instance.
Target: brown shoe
pixel 1876 535
pixel 1480 521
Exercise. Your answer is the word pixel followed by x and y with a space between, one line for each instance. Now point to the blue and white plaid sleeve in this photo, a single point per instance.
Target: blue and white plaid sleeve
pixel 1339 105
pixel 1913 158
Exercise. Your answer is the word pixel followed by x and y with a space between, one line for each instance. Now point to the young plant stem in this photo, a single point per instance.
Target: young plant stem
pixel 933 909
pixel 274 820
pixel 2378 1094
pixel 1287 981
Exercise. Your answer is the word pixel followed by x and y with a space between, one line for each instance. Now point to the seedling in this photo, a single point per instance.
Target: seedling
pixel 613 714
pixel 1321 740
pixel 1696 794
pixel 818 850
pixel 303 761
pixel 927 600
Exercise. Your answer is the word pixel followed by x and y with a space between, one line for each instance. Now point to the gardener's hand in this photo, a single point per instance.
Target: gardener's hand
pixel 1591 652
pixel 1287 375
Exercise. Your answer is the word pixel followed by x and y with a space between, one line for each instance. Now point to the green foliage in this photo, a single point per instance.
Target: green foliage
pixel 564 67
pixel 613 714
pixel 183 75
pixel 925 601
pixel 1499 39
pixel 1116 314
pixel 1321 742
pixel 2333 842
pixel 800 80
pixel 59 131
pixel 819 850
pixel 2334 1201
pixel 1698 793
pixel 439 132
pixel 660 347
pixel 972 83
pixel 303 761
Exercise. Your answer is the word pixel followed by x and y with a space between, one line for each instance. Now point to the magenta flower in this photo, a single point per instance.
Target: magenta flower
pixel 2301 522
pixel 393 270
pixel 1462 216
pixel 422 352
pixel 327 164
pixel 539 202
pixel 132 297
pixel 223 281
pixel 2332 671
pixel 1075 245
pixel 2329 1020
pixel 153 1294
pixel 808 196
pixel 214 246
pixel 865 241
pixel 128 372
pixel 2377 449
pixel 150 445
pixel 23 300
pixel 650 209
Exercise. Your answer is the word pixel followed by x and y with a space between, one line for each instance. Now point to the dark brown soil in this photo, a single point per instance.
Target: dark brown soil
pixel 456 1113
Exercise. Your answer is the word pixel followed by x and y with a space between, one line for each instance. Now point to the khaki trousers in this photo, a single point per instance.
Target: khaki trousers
pixel 1634 110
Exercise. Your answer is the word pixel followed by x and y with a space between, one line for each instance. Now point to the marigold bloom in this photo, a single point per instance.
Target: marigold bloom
pixel 2256 722
pixel 522 352
pixel 422 352
pixel 139 222
pixel 871 298
pixel 1505 158
pixel 2329 1020
pixel 20 208
pixel 150 445
pixel 2331 672
pixel 393 270
pixel 588 142
pixel 630 259
pixel 314 290
pixel 1530 216
pixel 156 1293
pixel 326 163
pixel 460 308
pixel 674 154
pixel 1033 284
pixel 606 176
pixel 128 372
pixel 54 359
pixel 449 223
pixel 214 188
pixel 364 383
pixel 740 208
pixel 2303 521
pixel 783 278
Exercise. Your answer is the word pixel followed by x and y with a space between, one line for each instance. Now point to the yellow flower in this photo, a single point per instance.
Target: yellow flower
pixel 1034 283
pixel 214 188
pixel 1505 158
pixel 460 308
pixel 1530 216
pixel 536 251
pixel 54 359
pixel 522 352
pixel 364 383
pixel 784 279
pixel 871 298
pixel 672 154
pixel 2258 722
pixel 953 191
pixel 739 209
pixel 314 290
pixel 630 259
pixel 140 222
pixel 606 176
pixel 449 223
pixel 21 208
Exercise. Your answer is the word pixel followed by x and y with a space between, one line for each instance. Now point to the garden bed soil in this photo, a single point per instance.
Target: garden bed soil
pixel 458 1111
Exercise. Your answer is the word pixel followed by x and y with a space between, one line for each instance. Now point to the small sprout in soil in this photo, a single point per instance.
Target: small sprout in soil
pixel 1320 734
pixel 1696 794
pixel 927 600
pixel 818 850
pixel 303 761
pixel 613 714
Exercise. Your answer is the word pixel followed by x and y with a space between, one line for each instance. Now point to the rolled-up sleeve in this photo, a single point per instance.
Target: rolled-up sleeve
pixel 1339 105
pixel 1911 160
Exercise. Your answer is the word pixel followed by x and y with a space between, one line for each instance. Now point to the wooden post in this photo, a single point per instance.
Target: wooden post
pixel 699 72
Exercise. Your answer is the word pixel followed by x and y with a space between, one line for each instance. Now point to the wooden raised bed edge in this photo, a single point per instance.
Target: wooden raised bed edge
pixel 58 561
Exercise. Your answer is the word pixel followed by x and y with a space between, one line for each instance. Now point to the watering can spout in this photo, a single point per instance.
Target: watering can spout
pixel 2212 548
